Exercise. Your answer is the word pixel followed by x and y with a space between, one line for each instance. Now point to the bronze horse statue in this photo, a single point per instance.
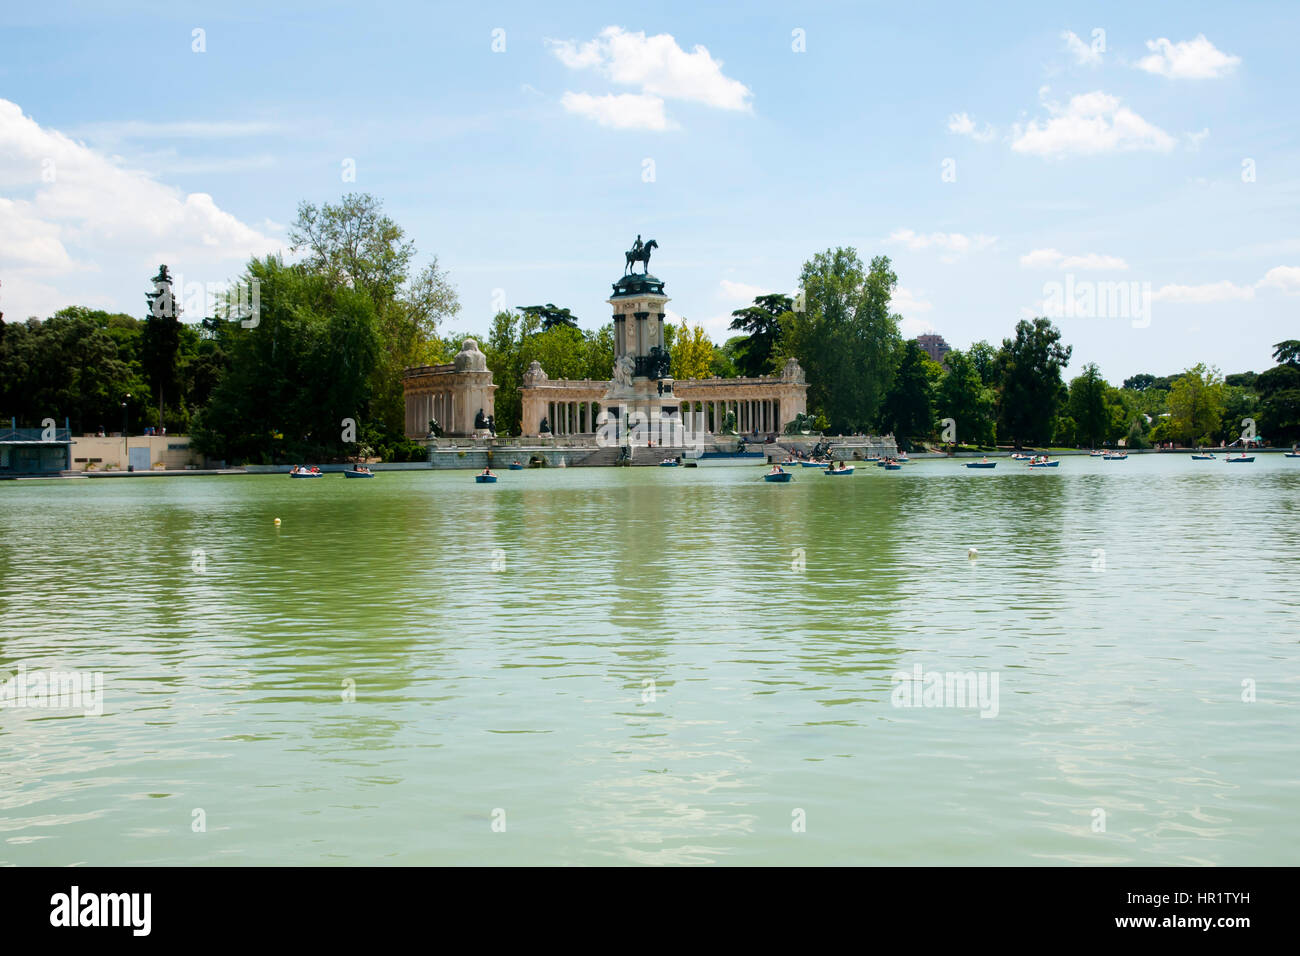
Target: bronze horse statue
pixel 640 254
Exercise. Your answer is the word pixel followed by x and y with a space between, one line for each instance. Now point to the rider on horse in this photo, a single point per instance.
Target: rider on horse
pixel 640 252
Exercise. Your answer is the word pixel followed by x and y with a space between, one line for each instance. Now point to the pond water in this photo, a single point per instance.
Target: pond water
pixel 658 665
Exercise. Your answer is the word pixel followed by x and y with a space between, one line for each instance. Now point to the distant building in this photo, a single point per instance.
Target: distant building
pixel 934 346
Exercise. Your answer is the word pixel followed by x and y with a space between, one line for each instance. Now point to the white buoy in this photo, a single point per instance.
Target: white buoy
pixel 277 522
pixel 973 553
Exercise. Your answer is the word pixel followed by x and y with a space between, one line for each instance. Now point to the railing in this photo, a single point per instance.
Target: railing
pixel 61 435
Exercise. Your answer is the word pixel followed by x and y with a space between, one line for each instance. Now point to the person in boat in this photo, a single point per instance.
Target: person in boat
pixel 487 473
pixel 777 470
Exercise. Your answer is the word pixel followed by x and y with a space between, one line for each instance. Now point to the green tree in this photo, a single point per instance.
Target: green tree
pixel 984 359
pixel 306 366
pixel 963 397
pixel 1196 405
pixel 723 364
pixel 1032 391
pixel 761 323
pixel 160 342
pixel 1278 389
pixel 908 409
pixel 1088 407
pixel 847 341
pixel 692 353
pixel 67 367
pixel 353 245
pixel 551 315
pixel 1239 405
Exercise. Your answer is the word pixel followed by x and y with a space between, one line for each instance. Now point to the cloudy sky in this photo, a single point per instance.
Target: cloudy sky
pixel 1012 159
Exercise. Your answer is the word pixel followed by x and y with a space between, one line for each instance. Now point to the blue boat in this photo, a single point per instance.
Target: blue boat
pixel 981 464
pixel 306 474
pixel 1292 454
pixel 893 466
pixel 1241 458
pixel 515 466
pixel 485 479
pixel 1202 458
pixel 349 473
pixel 814 464
pixel 846 470
pixel 778 476
pixel 669 464
pixel 1043 464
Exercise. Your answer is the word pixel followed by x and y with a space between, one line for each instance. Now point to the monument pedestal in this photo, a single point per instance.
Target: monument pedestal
pixel 639 415
pixel 639 404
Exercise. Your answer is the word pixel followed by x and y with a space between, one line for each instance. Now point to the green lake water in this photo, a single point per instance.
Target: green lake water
pixel 655 665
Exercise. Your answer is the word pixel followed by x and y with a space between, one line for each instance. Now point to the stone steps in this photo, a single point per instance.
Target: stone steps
pixel 605 457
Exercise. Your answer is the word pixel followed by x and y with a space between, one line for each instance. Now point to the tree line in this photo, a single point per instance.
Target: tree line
pixel 335 329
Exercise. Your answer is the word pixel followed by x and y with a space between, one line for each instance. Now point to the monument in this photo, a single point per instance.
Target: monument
pixel 457 396
pixel 640 394
pixel 639 403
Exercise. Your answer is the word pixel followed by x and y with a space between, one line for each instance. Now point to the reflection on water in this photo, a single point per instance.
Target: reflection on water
pixel 657 666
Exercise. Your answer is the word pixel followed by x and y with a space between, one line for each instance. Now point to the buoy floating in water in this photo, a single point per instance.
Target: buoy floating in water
pixel 973 553
pixel 277 522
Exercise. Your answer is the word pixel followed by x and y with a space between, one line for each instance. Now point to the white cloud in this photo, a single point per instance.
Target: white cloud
pixel 1196 59
pixel 1082 52
pixel 658 67
pixel 1224 291
pixel 952 244
pixel 620 111
pixel 963 125
pixel 1092 123
pixel 1194 140
pixel 30 244
pixel 1286 278
pixel 68 211
pixel 740 291
pixel 1054 259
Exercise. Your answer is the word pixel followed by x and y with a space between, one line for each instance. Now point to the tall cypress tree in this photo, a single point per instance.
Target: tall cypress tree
pixel 160 345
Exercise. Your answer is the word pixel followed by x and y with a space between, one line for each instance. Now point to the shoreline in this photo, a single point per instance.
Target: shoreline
pixel 552 450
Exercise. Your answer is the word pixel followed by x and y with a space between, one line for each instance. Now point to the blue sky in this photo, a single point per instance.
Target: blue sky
pixel 990 150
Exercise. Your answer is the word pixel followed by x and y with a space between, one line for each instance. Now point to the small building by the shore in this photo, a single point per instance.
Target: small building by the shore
pixel 35 451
